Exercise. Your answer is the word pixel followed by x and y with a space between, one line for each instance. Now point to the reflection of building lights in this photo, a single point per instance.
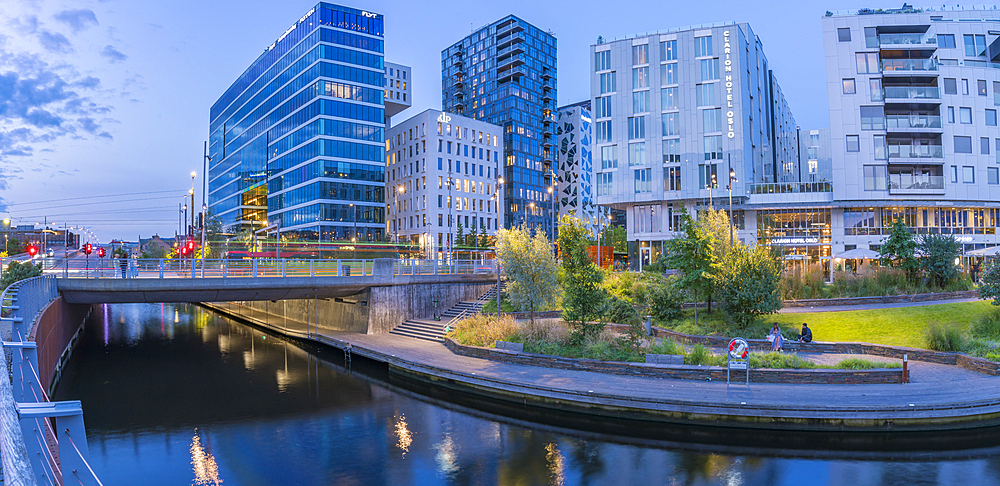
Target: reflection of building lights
pixel 403 435
pixel 555 464
pixel 446 457
pixel 206 471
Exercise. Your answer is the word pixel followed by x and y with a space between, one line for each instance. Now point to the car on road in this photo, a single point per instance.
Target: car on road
pixel 50 252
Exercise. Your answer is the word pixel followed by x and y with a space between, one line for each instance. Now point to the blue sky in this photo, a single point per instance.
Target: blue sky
pixel 111 97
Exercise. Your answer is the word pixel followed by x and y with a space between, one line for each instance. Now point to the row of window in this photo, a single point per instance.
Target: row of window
pixel 326 190
pixel 921 220
pixel 325 126
pixel 975 44
pixel 331 212
pixel 327 168
pixel 668 52
pixel 671 152
pixel 328 148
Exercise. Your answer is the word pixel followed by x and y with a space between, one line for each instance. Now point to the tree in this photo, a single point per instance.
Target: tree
pixel 989 280
pixel 14 247
pixel 473 234
pixel 155 251
pixel 748 284
pixel 939 252
pixel 459 235
pixel 692 255
pixel 530 269
pixel 583 297
pixel 17 271
pixel 899 250
pixel 616 237
pixel 715 222
pixel 483 240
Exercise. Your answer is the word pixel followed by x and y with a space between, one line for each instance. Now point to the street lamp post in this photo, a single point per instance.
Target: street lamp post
pixel 451 202
pixel 729 187
pixel 354 236
pixel 711 185
pixel 496 253
pixel 193 175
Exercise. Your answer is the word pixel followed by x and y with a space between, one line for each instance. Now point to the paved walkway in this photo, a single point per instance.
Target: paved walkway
pixel 841 308
pixel 924 404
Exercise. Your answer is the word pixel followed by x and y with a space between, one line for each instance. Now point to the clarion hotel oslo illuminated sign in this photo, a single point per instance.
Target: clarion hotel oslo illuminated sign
pixel 727 49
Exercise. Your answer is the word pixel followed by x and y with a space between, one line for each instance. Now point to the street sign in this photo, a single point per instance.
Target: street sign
pixel 738 357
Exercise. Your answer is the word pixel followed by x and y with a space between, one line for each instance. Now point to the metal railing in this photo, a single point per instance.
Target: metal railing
pixel 37 444
pixel 890 65
pixel 790 187
pixel 97 268
pixel 907 39
pixel 912 121
pixel 915 181
pixel 916 152
pixel 912 92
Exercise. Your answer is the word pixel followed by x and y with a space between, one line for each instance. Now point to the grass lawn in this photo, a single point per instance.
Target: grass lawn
pixel 900 326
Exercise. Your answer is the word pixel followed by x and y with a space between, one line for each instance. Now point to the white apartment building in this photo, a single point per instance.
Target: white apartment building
pixel 397 89
pixel 574 188
pixel 441 174
pixel 674 114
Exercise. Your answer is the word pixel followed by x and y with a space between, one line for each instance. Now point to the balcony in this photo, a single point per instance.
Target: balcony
pixel 546 74
pixel 915 184
pixel 510 74
pixel 546 97
pixel 515 60
pixel 459 63
pixel 516 48
pixel 907 123
pixel 929 94
pixel 508 27
pixel 511 39
pixel 547 141
pixel 907 40
pixel 790 192
pixel 899 66
pixel 916 152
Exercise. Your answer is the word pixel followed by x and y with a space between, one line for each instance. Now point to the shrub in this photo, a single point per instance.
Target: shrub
pixel 700 355
pixel 665 346
pixel 864 364
pixel 776 360
pixel 17 271
pixel 939 258
pixel 665 298
pixel 748 284
pixel 619 311
pixel 484 330
pixel 988 326
pixel 941 338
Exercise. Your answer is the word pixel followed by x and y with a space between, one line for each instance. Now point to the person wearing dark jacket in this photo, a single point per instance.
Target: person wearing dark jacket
pixel 806 335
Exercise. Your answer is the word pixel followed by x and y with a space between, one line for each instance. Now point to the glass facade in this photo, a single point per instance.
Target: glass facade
pixel 298 139
pixel 505 74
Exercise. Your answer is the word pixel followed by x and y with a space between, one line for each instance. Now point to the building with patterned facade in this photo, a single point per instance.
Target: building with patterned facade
pixel 574 188
pixel 504 74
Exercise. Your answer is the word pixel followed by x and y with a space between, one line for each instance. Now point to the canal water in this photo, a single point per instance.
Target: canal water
pixel 176 394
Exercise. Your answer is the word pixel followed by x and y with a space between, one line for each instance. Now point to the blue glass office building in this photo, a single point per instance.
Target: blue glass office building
pixel 505 74
pixel 298 139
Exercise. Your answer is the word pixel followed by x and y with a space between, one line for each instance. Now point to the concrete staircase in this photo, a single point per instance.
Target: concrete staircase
pixel 432 330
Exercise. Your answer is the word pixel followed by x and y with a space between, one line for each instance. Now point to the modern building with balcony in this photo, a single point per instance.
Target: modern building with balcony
pixel 504 74
pixel 298 141
pixel 914 94
pixel 441 181
pixel 573 192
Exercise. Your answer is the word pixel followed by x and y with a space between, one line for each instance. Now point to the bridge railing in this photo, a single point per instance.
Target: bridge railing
pixel 98 268
pixel 37 441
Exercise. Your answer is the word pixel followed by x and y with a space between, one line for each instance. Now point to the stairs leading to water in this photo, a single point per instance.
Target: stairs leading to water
pixel 432 330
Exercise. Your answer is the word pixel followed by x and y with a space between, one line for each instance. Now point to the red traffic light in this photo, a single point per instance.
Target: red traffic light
pixel 190 245
pixel 32 250
pixel 100 252
pixel 184 251
pixel 87 249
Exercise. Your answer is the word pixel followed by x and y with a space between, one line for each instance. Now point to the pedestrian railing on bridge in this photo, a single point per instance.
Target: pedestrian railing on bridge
pixel 41 442
pixel 259 268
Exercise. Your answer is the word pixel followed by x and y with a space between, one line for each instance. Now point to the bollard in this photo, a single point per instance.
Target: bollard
pixel 906 376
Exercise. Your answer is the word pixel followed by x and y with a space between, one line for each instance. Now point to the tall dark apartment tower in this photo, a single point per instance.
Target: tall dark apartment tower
pixel 505 73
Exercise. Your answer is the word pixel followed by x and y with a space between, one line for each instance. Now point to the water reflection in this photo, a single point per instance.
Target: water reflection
pixel 175 391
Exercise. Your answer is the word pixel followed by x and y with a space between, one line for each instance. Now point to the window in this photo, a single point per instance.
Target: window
pixel 997 149
pixel 712 120
pixel 965 86
pixel 965 115
pixel 636 127
pixel 969 174
pixel 603 107
pixel 951 114
pixel 991 118
pixel 872 118
pixel 871 38
pixel 875 179
pixel 439 163
pixel 608 83
pixel 975 45
pixel 440 220
pixel 672 150
pixel 984 145
pixel 844 34
pixel 640 54
pixel 992 175
pixel 640 77
pixel 668 73
pixel 603 131
pixel 981 87
pixel 709 69
pixel 881 151
pixel 853 143
pixel 609 157
pixel 671 178
pixel 703 46
pixel 668 98
pixel 668 50
pixel 646 219
pixel 604 183
pixel 643 181
pixel 867 62
pixel 440 201
pixel 954 174
pixel 875 88
pixel 602 60
pixel 996 93
pixel 640 101
pixel 950 86
pixel 963 145
pixel 946 40
pixel 707 176
pixel 637 153
pixel 705 94
pixel 713 147
pixel 671 124
pixel 849 87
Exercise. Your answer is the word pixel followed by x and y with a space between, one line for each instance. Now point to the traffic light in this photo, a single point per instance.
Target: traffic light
pixel 87 249
pixel 100 252
pixel 190 245
pixel 32 250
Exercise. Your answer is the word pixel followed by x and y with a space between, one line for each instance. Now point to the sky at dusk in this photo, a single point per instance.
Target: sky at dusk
pixel 111 98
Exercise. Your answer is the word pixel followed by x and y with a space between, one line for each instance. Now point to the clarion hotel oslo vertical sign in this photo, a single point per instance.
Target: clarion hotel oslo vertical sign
pixel 729 84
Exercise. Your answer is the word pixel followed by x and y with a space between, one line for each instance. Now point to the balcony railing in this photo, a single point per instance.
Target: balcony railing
pixel 912 92
pixel 791 187
pixel 907 39
pixel 916 152
pixel 915 181
pixel 889 65
pixel 912 121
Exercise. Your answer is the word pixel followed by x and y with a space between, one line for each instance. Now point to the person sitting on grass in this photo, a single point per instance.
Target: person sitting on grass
pixel 806 336
pixel 777 341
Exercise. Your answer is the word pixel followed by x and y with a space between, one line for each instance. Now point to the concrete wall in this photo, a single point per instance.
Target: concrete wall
pixel 57 326
pixel 391 306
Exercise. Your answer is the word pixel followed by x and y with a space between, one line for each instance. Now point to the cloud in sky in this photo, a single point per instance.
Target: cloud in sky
pixel 77 19
pixel 113 55
pixel 54 41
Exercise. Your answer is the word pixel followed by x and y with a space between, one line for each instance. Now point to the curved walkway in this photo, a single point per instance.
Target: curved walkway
pixel 840 308
pixel 932 405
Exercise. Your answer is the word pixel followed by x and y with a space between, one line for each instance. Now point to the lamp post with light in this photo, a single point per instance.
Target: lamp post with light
pixel 496 244
pixel 729 187
pixel 354 235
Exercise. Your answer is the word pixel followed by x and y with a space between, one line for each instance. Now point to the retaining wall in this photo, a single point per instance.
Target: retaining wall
pixel 55 333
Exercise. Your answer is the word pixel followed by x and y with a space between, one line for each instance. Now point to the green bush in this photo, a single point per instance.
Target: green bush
pixel 619 311
pixel 864 364
pixel 17 271
pixel 665 299
pixel 665 346
pixel 941 338
pixel 776 360
pixel 700 355
pixel 988 326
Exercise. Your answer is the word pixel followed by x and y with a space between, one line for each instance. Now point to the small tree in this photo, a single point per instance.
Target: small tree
pixel 939 252
pixel 715 222
pixel 483 242
pixel 17 271
pixel 581 280
pixel 989 280
pixel 473 235
pixel 615 237
pixel 748 284
pixel 899 250
pixel 692 255
pixel 530 268
pixel 459 235
pixel 14 247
